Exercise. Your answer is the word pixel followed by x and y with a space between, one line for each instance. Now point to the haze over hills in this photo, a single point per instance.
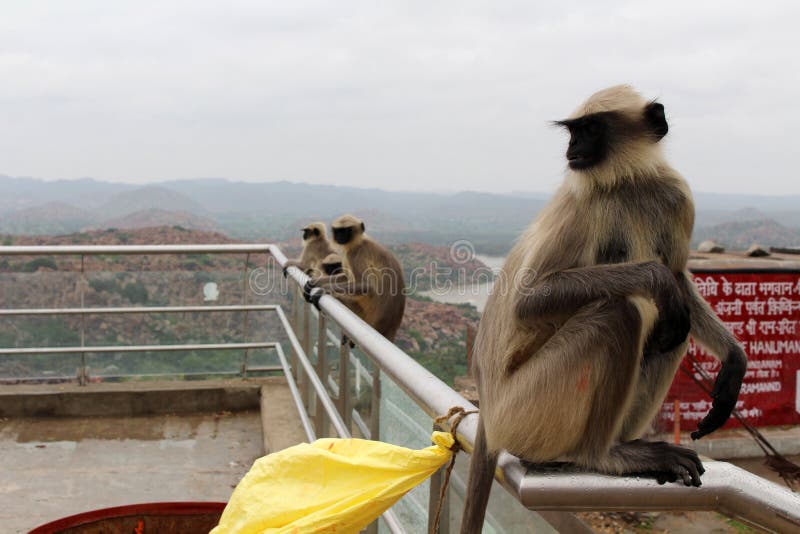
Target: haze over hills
pixel 276 211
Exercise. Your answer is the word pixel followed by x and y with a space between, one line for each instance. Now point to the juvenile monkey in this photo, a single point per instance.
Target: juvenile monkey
pixel 332 265
pixel 315 247
pixel 371 282
pixel 574 356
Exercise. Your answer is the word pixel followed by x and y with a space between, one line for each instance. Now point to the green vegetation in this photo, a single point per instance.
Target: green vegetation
pixel 109 285
pixel 34 265
pixel 447 361
pixel 135 292
pixel 739 527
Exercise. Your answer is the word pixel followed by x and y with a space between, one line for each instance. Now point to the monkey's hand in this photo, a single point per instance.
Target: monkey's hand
pixel 674 320
pixel 724 394
pixel 289 263
pixel 312 293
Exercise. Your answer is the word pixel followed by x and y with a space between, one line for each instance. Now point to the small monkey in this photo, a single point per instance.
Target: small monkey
pixel 371 282
pixel 332 265
pixel 315 247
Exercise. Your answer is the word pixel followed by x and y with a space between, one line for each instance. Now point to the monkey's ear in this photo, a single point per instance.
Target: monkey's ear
pixel 656 120
pixel 363 228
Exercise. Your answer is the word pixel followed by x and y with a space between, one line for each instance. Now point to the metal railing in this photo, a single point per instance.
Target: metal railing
pixel 726 489
pixel 83 311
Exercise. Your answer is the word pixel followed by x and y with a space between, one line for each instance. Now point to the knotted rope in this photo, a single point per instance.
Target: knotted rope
pixel 458 414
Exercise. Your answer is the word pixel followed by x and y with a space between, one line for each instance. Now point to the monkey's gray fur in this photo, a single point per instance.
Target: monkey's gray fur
pixel 578 346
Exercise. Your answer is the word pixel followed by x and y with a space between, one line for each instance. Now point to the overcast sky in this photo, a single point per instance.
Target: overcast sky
pixel 422 95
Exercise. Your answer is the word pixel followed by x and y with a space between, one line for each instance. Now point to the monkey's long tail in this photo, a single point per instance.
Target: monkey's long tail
pixel 785 468
pixel 482 466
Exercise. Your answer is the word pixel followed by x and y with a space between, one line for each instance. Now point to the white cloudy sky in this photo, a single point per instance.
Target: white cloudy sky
pixel 403 95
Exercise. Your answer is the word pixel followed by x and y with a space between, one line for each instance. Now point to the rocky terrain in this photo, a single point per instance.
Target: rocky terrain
pixel 433 333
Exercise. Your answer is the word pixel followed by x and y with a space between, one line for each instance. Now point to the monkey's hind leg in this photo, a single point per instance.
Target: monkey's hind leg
pixel 568 398
pixel 661 460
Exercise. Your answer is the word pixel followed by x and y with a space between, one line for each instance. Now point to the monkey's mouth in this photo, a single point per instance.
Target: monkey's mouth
pixel 579 161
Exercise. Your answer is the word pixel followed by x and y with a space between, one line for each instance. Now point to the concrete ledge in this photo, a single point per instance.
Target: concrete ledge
pixel 131 398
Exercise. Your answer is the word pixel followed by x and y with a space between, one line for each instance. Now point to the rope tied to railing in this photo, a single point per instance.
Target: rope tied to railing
pixel 458 413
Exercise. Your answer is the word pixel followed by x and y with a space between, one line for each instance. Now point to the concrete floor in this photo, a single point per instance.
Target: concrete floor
pixel 54 467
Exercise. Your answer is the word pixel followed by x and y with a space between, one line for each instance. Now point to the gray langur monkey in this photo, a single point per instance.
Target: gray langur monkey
pixel 371 283
pixel 574 361
pixel 315 248
pixel 332 265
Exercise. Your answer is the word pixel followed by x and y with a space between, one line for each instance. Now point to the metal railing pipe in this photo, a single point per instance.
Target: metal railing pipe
pixel 135 348
pixel 725 488
pixel 136 309
pixel 94 250
pixel 316 383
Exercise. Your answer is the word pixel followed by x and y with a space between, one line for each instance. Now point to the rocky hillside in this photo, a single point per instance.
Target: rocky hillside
pixel 433 333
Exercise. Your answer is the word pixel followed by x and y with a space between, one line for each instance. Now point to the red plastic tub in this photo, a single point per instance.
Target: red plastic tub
pixel 151 518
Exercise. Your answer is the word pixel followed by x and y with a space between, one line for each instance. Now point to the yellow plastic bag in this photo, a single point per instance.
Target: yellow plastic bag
pixel 331 485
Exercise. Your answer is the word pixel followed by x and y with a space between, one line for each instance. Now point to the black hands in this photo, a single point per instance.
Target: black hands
pixel 674 320
pixel 312 293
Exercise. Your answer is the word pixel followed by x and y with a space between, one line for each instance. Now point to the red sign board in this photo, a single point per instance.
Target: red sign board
pixel 762 309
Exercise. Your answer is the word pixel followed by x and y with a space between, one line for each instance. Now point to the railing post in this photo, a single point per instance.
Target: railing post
pixel 375 412
pixel 322 373
pixel 343 402
pixel 305 342
pixel 82 374
pixel 244 320
pixel 295 323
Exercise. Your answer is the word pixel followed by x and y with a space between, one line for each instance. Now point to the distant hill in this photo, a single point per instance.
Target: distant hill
pixel 275 211
pixel 740 235
pixel 85 193
pixel 148 198
pixel 149 218
pixel 51 218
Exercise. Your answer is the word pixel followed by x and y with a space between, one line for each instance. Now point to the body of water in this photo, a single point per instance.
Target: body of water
pixel 475 294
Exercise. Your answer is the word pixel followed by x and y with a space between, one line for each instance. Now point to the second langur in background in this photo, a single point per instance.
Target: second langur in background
pixel 332 266
pixel 371 283
pixel 315 248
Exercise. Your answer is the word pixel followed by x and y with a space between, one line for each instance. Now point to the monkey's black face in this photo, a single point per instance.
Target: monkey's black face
pixel 588 141
pixel 343 235
pixel 332 268
pixel 308 233
pixel 591 136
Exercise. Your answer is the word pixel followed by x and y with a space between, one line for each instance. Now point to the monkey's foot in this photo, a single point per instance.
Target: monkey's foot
pixel 664 462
